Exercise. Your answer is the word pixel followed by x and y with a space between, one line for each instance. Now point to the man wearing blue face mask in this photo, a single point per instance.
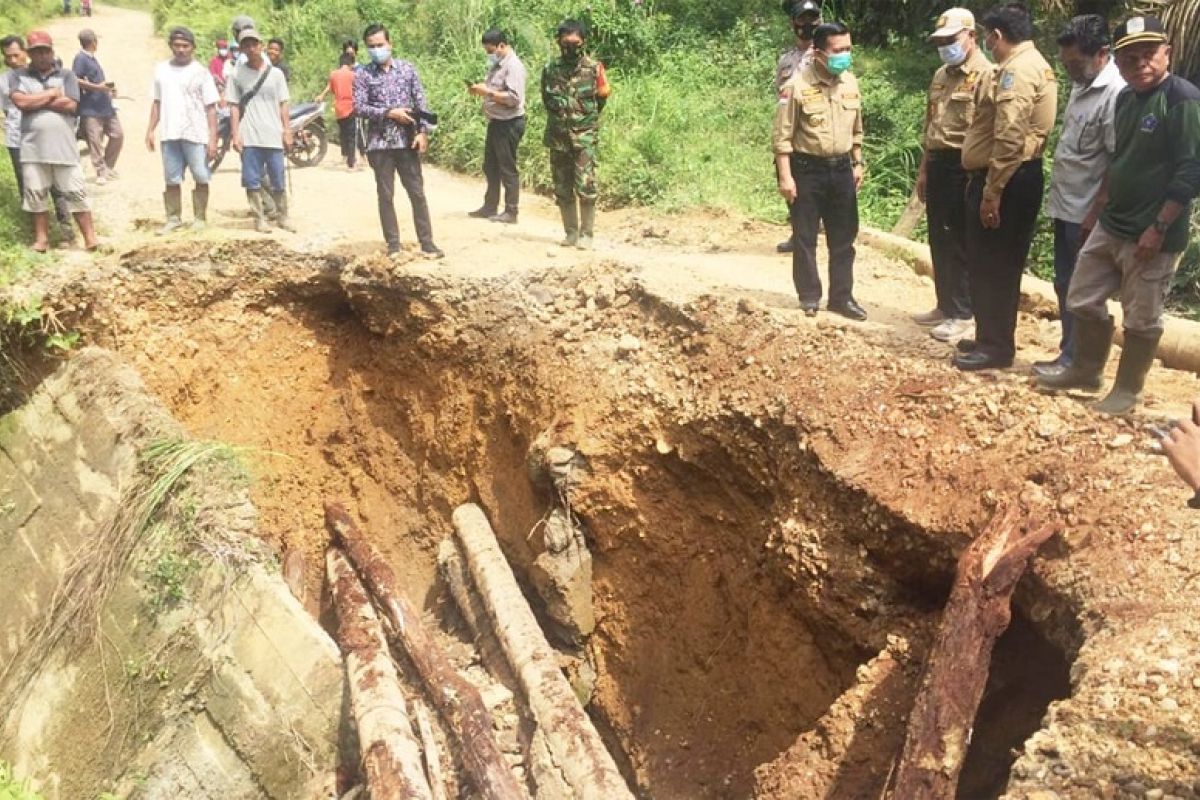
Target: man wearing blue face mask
pixel 503 93
pixel 389 95
pixel 964 77
pixel 817 142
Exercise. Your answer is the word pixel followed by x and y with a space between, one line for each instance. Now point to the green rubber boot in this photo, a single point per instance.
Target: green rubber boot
pixel 200 206
pixel 173 203
pixel 255 196
pixel 1093 341
pixel 570 220
pixel 1137 355
pixel 587 222
pixel 281 211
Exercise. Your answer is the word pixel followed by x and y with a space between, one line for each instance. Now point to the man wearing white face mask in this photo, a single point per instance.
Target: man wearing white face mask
pixel 503 93
pixel 1085 149
pixel 964 77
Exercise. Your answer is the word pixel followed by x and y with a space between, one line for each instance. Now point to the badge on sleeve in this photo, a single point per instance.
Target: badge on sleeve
pixel 1007 81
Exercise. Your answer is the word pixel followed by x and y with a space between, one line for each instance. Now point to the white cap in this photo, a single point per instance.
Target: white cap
pixel 954 22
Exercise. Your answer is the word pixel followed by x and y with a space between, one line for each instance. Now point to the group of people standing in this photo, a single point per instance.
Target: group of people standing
pixel 1125 170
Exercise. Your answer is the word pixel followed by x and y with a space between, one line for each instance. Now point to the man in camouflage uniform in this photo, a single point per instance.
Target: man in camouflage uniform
pixel 574 90
pixel 805 16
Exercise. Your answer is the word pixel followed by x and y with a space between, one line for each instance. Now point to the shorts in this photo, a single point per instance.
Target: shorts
pixel 67 179
pixel 260 162
pixel 180 153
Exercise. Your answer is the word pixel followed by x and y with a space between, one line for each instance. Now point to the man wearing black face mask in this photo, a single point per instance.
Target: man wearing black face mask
pixel 805 16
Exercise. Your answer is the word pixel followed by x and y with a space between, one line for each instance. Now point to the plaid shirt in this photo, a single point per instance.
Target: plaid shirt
pixel 378 90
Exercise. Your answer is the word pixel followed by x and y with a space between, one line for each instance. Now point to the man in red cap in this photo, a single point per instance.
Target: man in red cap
pixel 48 97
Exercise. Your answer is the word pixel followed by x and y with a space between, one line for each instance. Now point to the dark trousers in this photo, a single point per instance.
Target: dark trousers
pixel 1066 251
pixel 500 162
pixel 946 211
pixel 996 257
pixel 824 193
pixel 347 131
pixel 407 164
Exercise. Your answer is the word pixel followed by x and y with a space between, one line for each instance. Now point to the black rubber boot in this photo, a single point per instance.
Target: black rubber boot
pixel 1093 341
pixel 1137 355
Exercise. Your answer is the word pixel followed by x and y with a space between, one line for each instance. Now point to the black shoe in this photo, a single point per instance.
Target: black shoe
pixel 978 360
pixel 965 345
pixel 509 217
pixel 810 309
pixel 785 246
pixel 850 310
pixel 431 252
pixel 483 212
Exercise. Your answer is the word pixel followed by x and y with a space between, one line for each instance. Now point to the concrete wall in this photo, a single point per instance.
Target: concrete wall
pixel 234 693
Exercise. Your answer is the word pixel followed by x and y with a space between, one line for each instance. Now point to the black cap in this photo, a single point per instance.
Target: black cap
pixel 798 8
pixel 1139 29
pixel 180 32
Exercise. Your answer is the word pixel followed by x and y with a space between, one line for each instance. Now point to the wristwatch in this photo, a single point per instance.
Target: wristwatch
pixel 1161 225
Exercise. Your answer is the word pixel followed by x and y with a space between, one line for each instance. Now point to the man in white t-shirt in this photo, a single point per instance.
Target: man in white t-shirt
pixel 185 102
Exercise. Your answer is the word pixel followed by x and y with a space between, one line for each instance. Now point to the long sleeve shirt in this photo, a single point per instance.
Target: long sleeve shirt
pixel 380 88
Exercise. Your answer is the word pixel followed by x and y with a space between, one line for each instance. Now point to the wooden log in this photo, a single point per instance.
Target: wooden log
pixel 391 757
pixel 911 217
pixel 578 751
pixel 454 697
pixel 956 672
pixel 433 756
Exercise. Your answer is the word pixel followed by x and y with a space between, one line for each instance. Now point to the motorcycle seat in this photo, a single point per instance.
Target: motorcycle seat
pixel 301 109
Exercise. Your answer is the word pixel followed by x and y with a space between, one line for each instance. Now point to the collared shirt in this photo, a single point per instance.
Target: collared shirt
pixel 12 115
pixel 1085 146
pixel 1157 159
pixel 789 63
pixel 378 90
pixel 954 94
pixel 92 103
pixel 508 78
pixel 1013 121
pixel 47 137
pixel 819 114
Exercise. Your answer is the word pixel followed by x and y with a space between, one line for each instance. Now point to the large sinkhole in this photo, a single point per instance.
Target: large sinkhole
pixel 759 622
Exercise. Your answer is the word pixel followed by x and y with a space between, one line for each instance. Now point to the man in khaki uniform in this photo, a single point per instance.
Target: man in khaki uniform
pixel 964 78
pixel 805 16
pixel 817 142
pixel 1002 154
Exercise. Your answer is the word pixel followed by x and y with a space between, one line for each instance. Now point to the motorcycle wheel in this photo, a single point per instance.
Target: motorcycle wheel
pixel 310 145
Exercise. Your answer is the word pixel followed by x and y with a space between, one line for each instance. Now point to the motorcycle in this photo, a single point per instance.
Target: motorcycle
pixel 309 138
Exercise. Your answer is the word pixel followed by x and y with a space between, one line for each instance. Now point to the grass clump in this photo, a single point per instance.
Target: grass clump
pixel 13 789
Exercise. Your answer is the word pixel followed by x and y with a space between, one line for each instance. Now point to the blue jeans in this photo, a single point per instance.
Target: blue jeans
pixel 180 153
pixel 258 162
pixel 1066 252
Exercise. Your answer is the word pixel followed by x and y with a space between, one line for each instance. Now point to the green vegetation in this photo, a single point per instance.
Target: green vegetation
pixel 13 789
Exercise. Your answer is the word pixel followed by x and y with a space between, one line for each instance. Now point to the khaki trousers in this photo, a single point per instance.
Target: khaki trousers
pixel 1107 267
pixel 104 153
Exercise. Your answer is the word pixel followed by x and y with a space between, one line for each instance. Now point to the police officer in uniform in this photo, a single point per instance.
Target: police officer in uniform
pixel 817 140
pixel 1002 154
pixel 805 16
pixel 957 87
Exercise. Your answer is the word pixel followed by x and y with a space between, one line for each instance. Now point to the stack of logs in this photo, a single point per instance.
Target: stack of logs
pixel 569 759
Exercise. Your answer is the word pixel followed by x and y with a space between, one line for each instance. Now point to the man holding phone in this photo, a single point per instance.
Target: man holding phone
pixel 503 93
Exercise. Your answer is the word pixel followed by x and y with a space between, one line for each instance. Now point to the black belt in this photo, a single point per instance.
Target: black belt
pixel 834 162
pixel 511 119
pixel 982 173
pixel 948 154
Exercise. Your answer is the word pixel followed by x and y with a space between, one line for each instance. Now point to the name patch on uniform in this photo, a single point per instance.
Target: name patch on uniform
pixel 811 92
pixel 971 79
pixel 1149 124
pixel 850 96
pixel 1007 80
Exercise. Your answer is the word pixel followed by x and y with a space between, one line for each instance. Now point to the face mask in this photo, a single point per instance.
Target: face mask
pixel 570 50
pixel 493 59
pixel 222 53
pixel 839 62
pixel 953 53
pixel 380 54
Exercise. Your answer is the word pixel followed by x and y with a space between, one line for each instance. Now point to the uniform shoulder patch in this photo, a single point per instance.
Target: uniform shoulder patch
pixel 1007 81
pixel 1149 124
pixel 1050 76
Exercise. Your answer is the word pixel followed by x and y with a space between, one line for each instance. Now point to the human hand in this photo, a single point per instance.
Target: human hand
pixel 1087 226
pixel 236 143
pixel 1149 245
pixel 989 212
pixel 1182 446
pixel 478 89
pixel 211 152
pixel 922 181
pixel 288 139
pixel 860 172
pixel 150 141
pixel 400 115
pixel 787 188
pixel 421 143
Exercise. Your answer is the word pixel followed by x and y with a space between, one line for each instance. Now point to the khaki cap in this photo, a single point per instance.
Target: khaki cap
pixel 954 22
